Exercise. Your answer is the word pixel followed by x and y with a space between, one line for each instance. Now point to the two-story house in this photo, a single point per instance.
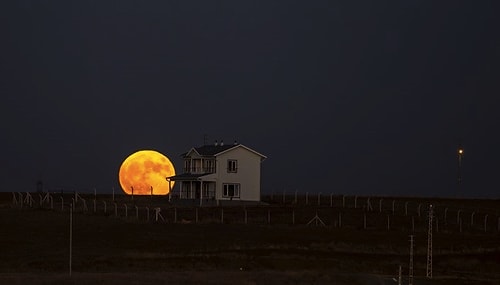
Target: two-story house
pixel 220 172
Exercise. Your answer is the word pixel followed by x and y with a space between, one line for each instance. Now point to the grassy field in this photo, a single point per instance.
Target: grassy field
pixel 110 249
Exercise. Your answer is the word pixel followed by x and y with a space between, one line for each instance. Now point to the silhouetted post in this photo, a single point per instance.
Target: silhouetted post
pixel 419 206
pixel 343 201
pixel 355 202
pixel 410 270
pixel 70 238
pixel 331 199
pixel 147 215
pixel 319 198
pixel 393 206
pixel 458 216
pixel 132 187
pixel 137 212
pixel 472 219
pixel 400 277
pixel 368 205
pixel 104 206
pixel 380 205
pixel 412 223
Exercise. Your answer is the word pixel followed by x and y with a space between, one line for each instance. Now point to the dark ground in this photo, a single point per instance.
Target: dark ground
pixel 119 250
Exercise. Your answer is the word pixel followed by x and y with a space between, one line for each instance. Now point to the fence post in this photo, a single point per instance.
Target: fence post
pixel 147 214
pixel 393 206
pixel 104 206
pixel 95 206
pixel 356 202
pixel 472 219
pixel 412 223
pixel 458 216
pixel 307 198
pixel 137 212
pixel 331 199
pixel 380 205
pixel 419 206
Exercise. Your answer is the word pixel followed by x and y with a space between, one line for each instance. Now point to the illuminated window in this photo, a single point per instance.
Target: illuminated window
pixel 232 165
pixel 231 190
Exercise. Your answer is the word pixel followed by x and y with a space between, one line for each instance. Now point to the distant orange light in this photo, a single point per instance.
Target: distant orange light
pixel 144 170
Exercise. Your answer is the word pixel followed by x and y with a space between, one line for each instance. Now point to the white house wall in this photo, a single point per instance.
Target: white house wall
pixel 247 175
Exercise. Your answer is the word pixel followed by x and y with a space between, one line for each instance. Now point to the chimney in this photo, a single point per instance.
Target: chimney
pixel 221 142
pixel 216 143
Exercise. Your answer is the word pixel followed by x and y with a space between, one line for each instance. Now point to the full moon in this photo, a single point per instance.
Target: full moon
pixel 146 170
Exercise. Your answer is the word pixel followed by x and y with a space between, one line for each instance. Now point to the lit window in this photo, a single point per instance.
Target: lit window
pixel 231 190
pixel 232 165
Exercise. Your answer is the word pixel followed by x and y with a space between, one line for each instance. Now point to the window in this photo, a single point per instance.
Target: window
pixel 232 165
pixel 231 190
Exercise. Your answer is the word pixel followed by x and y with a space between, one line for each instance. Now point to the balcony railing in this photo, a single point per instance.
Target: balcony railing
pixel 199 170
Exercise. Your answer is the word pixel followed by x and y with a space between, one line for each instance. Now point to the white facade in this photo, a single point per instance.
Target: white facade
pixel 223 172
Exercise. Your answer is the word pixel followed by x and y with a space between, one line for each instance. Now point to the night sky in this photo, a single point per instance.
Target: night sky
pixel 344 97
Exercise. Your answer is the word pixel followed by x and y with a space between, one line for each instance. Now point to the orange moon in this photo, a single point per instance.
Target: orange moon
pixel 145 169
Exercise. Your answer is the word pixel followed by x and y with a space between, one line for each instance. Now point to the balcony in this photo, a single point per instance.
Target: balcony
pixel 199 170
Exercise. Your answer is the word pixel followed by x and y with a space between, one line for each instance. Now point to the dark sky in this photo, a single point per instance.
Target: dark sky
pixel 352 97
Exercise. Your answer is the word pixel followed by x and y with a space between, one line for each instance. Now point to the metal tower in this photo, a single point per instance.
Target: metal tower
pixel 410 270
pixel 429 244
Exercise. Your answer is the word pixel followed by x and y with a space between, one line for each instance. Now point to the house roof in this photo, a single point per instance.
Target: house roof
pixel 214 150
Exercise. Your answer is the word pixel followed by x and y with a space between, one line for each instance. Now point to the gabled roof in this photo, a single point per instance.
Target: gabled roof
pixel 214 150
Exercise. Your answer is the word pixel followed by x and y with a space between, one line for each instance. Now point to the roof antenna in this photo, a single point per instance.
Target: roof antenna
pixel 216 143
pixel 221 142
pixel 235 142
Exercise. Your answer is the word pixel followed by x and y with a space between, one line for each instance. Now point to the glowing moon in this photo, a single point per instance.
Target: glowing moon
pixel 145 169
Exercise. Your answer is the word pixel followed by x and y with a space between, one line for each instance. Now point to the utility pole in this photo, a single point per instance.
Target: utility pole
pixel 410 267
pixel 429 244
